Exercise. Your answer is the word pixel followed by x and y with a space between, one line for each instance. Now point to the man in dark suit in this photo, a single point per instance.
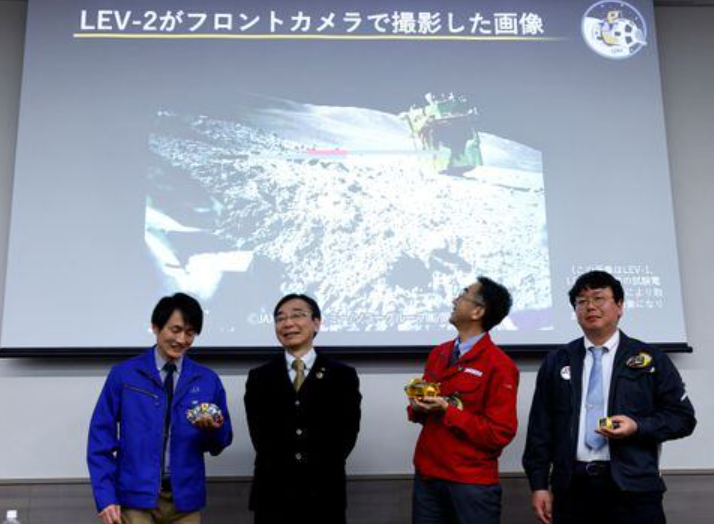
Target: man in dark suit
pixel 303 413
pixel 584 468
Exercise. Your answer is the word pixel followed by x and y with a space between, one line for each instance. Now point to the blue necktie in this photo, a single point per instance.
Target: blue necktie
pixel 594 402
pixel 169 389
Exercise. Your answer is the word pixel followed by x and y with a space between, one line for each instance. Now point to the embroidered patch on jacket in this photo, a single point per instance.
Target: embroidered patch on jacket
pixel 639 361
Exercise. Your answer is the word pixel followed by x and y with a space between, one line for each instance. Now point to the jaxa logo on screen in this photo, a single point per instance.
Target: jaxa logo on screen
pixel 614 29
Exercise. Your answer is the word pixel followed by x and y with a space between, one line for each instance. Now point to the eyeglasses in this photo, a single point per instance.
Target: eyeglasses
pixel 465 296
pixel 598 301
pixel 294 316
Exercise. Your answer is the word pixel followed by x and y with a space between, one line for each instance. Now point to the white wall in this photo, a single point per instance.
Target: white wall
pixel 45 405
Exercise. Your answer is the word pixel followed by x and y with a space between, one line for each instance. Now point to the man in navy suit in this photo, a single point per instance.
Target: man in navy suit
pixel 583 467
pixel 303 413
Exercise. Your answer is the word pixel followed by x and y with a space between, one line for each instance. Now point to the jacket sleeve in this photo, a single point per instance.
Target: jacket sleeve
pixel 415 416
pixel 253 410
pixel 418 417
pixel 537 456
pixel 103 443
pixel 496 425
pixel 214 442
pixel 350 412
pixel 673 415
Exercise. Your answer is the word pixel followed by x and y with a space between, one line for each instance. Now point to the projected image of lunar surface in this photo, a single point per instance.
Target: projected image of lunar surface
pixel 382 217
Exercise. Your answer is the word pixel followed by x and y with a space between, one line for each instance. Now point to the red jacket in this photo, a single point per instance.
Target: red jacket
pixel 464 445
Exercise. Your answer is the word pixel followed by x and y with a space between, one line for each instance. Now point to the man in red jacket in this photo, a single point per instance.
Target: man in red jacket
pixel 466 428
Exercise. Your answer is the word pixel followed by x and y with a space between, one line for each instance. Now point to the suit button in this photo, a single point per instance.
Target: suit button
pixel 298 456
pixel 298 432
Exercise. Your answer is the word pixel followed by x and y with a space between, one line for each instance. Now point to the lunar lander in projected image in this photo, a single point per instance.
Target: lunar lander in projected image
pixel 446 128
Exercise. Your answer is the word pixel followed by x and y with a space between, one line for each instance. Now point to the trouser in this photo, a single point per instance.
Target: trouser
pixel 165 513
pixel 300 515
pixel 438 501
pixel 594 498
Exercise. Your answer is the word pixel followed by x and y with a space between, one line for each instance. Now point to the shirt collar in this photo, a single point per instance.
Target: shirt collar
pixel 308 359
pixel 610 344
pixel 465 347
pixel 160 362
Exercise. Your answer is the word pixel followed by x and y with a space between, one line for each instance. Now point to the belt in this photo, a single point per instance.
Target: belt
pixel 596 468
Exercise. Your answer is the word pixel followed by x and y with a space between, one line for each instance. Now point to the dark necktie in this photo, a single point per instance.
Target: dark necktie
pixel 455 354
pixel 169 389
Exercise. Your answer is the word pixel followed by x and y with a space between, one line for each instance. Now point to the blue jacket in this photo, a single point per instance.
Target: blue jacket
pixel 653 396
pixel 126 435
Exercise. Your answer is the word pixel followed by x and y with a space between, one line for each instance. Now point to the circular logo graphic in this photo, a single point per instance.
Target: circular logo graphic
pixel 614 29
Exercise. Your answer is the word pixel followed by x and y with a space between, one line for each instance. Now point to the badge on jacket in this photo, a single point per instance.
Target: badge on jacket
pixel 565 372
pixel 639 361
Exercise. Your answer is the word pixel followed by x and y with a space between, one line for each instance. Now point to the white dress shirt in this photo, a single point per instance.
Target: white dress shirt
pixel 584 453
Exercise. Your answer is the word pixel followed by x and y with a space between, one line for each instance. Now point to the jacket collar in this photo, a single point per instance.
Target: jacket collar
pixel 147 367
pixel 280 372
pixel 475 353
pixel 576 351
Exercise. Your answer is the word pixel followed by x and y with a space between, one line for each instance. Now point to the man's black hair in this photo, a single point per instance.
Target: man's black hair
pixel 596 280
pixel 311 302
pixel 188 306
pixel 497 302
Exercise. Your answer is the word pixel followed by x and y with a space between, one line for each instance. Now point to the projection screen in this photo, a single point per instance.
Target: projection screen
pixel 377 155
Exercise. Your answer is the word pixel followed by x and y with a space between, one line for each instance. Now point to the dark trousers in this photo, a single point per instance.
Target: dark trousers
pixel 442 502
pixel 300 515
pixel 595 499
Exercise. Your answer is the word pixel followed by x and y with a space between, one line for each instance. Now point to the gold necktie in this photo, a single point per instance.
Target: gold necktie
pixel 299 366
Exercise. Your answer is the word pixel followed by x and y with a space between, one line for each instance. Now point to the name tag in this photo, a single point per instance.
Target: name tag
pixel 473 371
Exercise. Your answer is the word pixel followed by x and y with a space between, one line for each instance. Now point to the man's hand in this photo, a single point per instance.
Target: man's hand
pixel 542 503
pixel 111 514
pixel 429 404
pixel 626 428
pixel 209 423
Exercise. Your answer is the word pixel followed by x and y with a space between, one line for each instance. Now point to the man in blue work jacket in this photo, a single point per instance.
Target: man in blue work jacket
pixel 603 405
pixel 145 457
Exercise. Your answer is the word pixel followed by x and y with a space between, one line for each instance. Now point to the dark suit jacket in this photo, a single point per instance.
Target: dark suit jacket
pixel 653 396
pixel 302 439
